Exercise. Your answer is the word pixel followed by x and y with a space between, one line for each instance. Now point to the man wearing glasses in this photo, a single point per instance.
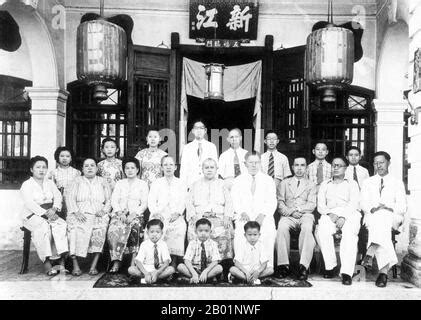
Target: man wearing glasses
pixel 194 153
pixel 274 163
pixel 383 201
pixel 338 203
pixel 254 199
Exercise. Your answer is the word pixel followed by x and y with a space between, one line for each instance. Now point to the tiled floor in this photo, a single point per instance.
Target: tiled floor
pixel 36 285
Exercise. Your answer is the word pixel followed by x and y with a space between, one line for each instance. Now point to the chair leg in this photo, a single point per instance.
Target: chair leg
pixel 26 248
pixel 395 271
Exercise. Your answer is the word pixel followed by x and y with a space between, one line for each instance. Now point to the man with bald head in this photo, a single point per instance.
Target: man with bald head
pixel 254 199
pixel 338 204
pixel 231 162
pixel 296 203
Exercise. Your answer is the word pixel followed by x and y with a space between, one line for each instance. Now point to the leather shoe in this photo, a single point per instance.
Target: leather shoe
pixel 302 273
pixel 282 271
pixel 329 274
pixel 381 281
pixel 346 280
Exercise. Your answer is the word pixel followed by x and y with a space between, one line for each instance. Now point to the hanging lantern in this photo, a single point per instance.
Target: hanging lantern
pixel 101 54
pixel 330 55
pixel 330 60
pixel 214 81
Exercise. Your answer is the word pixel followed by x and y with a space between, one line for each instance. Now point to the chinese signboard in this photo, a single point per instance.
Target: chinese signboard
pixel 229 19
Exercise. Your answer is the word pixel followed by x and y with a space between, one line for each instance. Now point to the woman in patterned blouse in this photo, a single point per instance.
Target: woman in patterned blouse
pixel 150 158
pixel 64 174
pixel 88 205
pixel 111 167
pixel 129 202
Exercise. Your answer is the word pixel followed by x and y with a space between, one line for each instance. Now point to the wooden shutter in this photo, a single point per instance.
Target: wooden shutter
pixel 290 107
pixel 151 93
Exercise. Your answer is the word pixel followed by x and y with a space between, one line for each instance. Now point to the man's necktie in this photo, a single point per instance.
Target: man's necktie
pixel 271 167
pixel 320 173
pixel 199 150
pixel 381 186
pixel 253 185
pixel 356 177
pixel 298 184
pixel 237 170
pixel 155 257
pixel 203 257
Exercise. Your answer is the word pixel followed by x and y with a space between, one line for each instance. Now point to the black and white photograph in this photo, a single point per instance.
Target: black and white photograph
pixel 222 151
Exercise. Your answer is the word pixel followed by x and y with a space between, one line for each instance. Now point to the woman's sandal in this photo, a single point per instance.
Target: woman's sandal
pixel 93 272
pixel 52 272
pixel 76 273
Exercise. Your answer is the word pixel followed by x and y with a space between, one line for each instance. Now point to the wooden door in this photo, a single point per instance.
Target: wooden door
pixel 151 93
pixel 289 99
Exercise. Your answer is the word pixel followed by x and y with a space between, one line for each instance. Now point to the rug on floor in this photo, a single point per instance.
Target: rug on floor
pixel 123 281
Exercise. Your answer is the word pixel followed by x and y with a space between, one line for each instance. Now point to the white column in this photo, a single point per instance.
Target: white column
pixel 411 264
pixel 48 114
pixel 389 132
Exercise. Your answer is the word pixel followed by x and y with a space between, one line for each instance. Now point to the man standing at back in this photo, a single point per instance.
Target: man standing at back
pixel 319 170
pixel 274 163
pixel 354 171
pixel 231 162
pixel 194 153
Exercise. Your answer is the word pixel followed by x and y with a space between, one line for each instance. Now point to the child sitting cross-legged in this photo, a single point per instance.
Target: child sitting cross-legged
pixel 202 256
pixel 153 260
pixel 251 259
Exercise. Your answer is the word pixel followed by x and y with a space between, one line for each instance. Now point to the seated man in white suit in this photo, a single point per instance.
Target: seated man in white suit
pixel 383 201
pixel 254 199
pixel 338 204
pixel 194 153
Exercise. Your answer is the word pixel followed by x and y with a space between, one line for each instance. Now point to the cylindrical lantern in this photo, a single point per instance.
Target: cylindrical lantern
pixel 101 55
pixel 214 81
pixel 329 64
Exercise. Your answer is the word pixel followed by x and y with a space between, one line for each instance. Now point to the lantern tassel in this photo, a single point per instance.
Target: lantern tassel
pixel 330 12
pixel 101 8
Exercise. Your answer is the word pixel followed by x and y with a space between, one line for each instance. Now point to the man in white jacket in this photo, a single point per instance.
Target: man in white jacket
pixel 338 203
pixel 384 205
pixel 194 153
pixel 254 199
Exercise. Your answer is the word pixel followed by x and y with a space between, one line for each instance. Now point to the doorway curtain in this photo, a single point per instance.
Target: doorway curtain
pixel 240 82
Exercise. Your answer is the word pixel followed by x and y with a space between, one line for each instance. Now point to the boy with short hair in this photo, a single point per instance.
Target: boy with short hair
pixel 274 163
pixel 201 261
pixel 354 171
pixel 251 259
pixel 153 260
pixel 319 170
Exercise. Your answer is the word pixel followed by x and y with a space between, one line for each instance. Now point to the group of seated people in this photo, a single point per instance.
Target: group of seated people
pixel 224 208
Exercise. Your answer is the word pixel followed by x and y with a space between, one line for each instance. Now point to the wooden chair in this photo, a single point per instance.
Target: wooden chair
pixel 26 249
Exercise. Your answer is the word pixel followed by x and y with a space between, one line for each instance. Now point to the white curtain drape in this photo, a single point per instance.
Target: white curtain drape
pixel 240 82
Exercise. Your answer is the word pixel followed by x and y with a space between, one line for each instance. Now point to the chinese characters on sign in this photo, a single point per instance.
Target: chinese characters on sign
pixel 238 17
pixel 230 19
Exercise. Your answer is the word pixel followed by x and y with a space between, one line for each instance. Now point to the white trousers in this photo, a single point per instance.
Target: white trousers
pixel 268 236
pixel 349 242
pixel 49 237
pixel 379 225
